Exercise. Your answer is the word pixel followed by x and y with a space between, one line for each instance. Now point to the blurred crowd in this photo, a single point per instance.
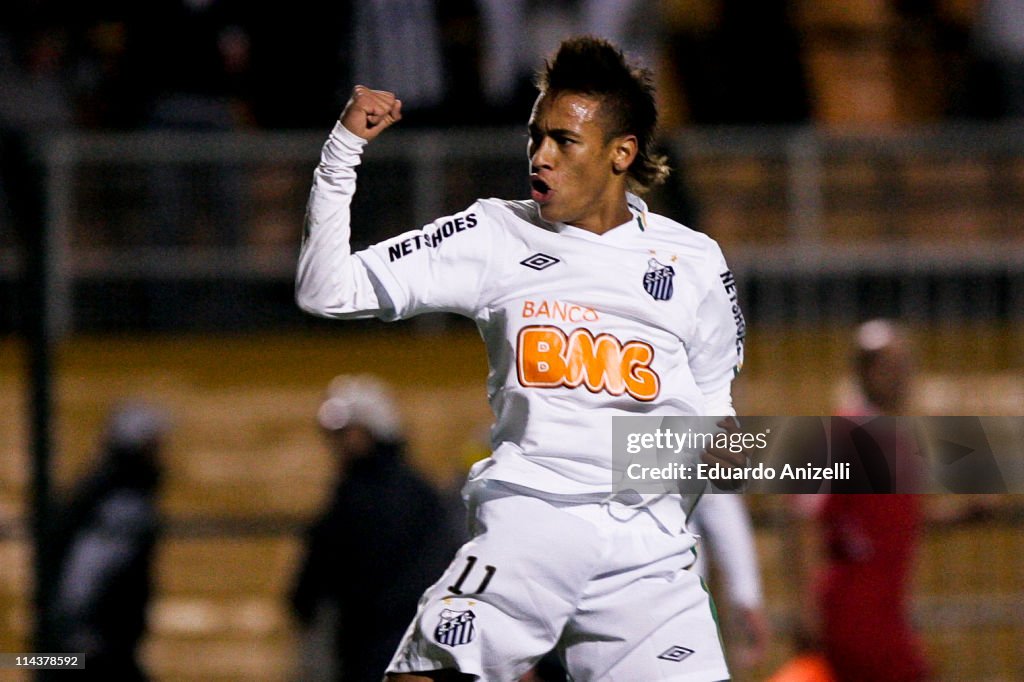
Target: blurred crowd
pixel 221 64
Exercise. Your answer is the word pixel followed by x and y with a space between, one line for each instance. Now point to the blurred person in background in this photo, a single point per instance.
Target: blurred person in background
pixel 869 541
pixel 37 96
pixel 382 538
pixel 999 45
pixel 399 42
pixel 192 60
pixel 883 367
pixel 105 539
pixel 515 34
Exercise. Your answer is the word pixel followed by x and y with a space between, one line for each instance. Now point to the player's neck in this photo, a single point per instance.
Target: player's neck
pixel 607 218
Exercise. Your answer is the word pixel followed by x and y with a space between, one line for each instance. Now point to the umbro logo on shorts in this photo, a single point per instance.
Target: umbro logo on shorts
pixel 675 653
pixel 455 627
pixel 539 261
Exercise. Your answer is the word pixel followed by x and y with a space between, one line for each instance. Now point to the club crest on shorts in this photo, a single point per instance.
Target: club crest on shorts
pixel 658 280
pixel 455 627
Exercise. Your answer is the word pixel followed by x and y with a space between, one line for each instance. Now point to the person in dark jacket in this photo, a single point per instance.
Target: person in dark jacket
pixel 105 539
pixel 382 538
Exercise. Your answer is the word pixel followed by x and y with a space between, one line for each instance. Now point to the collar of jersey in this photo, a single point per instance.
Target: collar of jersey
pixel 619 234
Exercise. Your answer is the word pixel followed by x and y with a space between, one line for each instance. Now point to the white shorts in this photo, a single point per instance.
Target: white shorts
pixel 606 584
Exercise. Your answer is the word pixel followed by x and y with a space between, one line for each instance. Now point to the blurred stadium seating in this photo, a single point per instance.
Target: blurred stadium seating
pixel 247 469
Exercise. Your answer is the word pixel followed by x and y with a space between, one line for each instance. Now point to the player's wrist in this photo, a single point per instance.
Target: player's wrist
pixel 347 138
pixel 342 149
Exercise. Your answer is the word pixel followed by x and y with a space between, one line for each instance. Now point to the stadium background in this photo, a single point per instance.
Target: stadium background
pixel 896 188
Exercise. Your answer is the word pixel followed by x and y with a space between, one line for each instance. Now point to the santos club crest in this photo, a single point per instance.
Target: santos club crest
pixel 658 280
pixel 455 627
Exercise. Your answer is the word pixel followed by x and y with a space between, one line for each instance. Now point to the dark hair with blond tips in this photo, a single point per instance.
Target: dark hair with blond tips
pixel 593 66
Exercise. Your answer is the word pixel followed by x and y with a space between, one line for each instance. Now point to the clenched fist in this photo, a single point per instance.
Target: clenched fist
pixel 368 112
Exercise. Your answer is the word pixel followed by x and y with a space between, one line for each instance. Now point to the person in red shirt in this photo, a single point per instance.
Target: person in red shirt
pixel 870 540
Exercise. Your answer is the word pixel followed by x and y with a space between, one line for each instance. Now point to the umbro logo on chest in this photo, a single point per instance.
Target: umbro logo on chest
pixel 539 261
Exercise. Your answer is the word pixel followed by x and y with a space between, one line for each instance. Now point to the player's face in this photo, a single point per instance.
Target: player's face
pixel 350 443
pixel 577 174
pixel 888 380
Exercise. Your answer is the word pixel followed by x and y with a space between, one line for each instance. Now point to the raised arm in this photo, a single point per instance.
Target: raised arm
pixel 329 282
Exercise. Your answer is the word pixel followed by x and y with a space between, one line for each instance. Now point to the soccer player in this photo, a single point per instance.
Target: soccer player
pixel 591 307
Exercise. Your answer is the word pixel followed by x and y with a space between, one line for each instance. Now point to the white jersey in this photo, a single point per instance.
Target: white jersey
pixel 579 327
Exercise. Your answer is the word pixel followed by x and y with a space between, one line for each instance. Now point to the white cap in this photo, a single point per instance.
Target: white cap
pixel 134 424
pixel 875 335
pixel 364 400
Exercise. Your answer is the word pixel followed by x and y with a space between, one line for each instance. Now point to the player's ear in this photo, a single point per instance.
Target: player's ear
pixel 624 151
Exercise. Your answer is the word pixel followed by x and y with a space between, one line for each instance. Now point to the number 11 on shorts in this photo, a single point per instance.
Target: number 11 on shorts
pixel 470 563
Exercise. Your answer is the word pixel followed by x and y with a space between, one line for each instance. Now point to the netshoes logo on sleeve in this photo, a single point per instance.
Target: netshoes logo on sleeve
pixel 549 358
pixel 433 239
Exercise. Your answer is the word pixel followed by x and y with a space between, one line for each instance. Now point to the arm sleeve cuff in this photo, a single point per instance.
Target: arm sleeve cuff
pixel 342 144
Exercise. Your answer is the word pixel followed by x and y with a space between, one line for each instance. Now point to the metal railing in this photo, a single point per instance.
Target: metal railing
pixel 815 223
